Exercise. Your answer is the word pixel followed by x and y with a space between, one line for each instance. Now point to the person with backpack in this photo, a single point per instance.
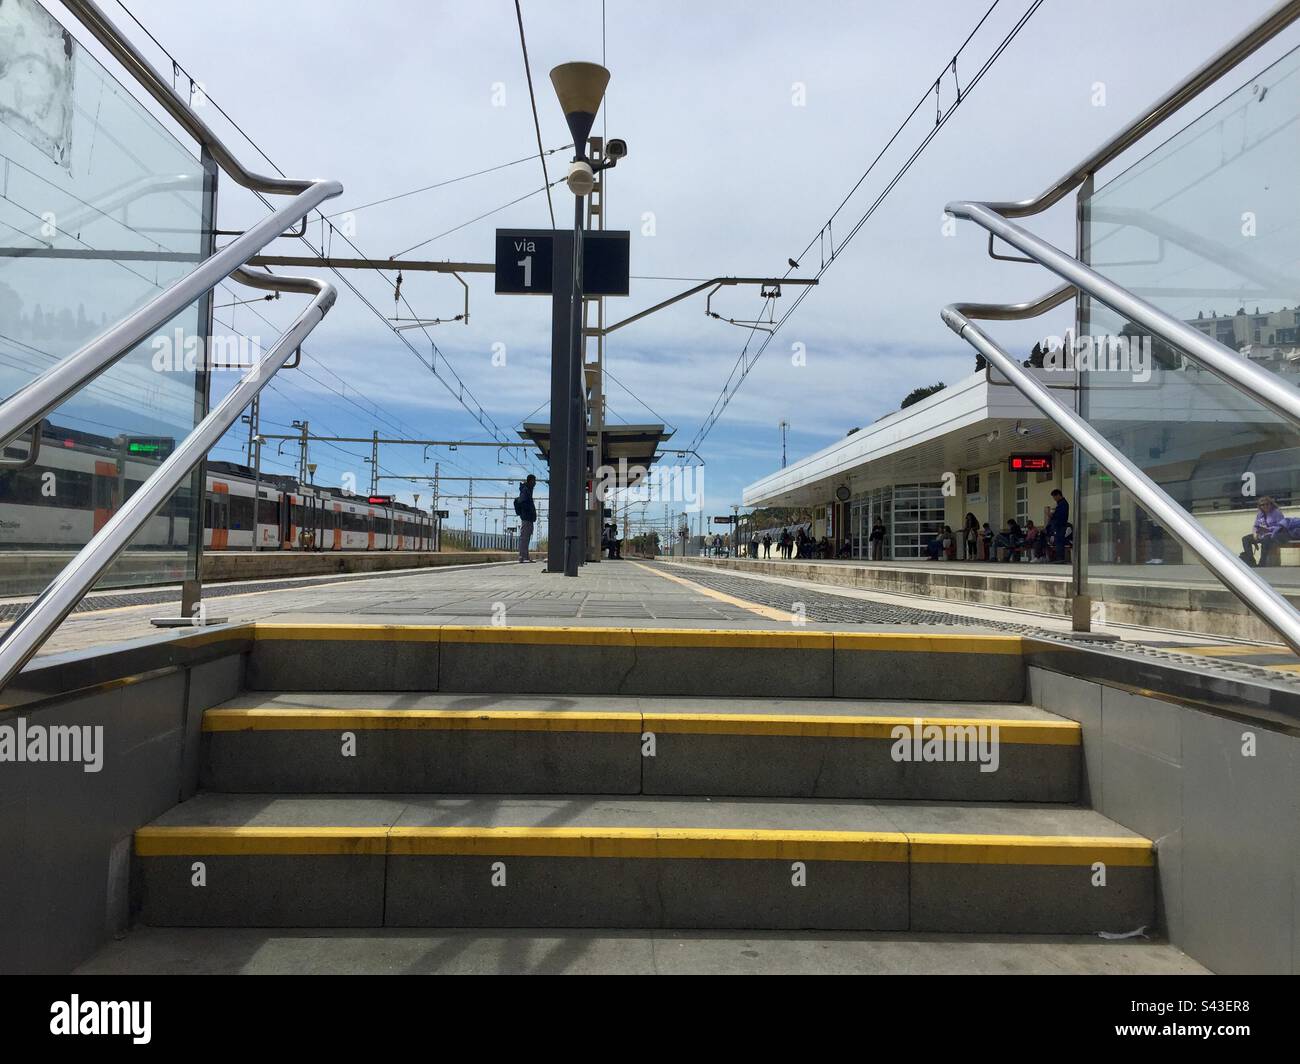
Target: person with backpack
pixel 526 511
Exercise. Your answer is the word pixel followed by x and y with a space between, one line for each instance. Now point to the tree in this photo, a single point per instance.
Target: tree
pixel 917 394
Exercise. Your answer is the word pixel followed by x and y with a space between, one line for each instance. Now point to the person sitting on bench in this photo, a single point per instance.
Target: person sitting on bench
pixel 1273 529
pixel 1011 540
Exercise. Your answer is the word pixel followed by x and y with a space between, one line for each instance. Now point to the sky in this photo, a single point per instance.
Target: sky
pixel 747 123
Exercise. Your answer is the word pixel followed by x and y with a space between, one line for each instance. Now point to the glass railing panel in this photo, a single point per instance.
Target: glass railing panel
pixel 101 208
pixel 1206 227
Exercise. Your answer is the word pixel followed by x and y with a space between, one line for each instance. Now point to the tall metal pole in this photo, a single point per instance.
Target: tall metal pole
pixel 575 503
pixel 374 465
pixel 302 453
pixel 561 298
pixel 257 478
pixel 437 521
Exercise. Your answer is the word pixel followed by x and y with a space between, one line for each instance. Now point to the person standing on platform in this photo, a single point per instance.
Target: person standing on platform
pixel 526 511
pixel 1057 525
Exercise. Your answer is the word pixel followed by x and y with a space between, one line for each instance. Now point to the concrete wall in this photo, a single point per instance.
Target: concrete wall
pixel 66 834
pixel 1226 825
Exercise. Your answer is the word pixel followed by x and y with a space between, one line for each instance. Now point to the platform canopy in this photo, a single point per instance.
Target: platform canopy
pixel 630 447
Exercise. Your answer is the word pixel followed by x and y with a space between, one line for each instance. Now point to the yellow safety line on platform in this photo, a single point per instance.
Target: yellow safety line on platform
pixel 762 611
pixel 654 843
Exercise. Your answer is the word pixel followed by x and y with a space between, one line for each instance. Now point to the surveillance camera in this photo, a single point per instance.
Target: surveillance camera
pixel 616 149
pixel 1021 430
pixel 581 179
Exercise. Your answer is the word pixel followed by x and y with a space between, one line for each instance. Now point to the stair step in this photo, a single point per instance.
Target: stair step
pixel 625 862
pixel 475 744
pixel 798 662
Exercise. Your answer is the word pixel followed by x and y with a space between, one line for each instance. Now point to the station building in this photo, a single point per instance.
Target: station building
pixel 954 453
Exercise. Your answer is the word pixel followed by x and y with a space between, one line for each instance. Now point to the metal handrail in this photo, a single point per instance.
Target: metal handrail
pixel 1255 593
pixel 30 631
pixel 1265 387
pixel 41 395
pixel 101 27
pixel 35 400
pixel 1205 75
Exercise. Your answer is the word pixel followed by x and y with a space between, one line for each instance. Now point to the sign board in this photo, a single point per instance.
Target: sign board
pixel 155 447
pixel 442 515
pixel 380 500
pixel 724 520
pixel 523 262
pixel 1030 463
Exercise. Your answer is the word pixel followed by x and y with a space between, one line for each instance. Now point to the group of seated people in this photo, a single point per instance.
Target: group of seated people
pixel 1014 543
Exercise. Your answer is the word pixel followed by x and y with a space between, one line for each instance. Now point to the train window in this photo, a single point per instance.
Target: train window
pixel 241 511
pixel 268 512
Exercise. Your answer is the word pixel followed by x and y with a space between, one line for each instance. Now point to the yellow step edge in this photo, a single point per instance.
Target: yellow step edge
pixel 314 719
pixel 656 843
pixel 684 638
pixel 930 642
pixel 247 841
pixel 837 726
pixel 1129 852
pixel 799 725
pixel 653 843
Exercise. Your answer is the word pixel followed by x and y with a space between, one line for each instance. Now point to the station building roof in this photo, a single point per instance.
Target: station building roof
pixel 637 444
pixel 979 421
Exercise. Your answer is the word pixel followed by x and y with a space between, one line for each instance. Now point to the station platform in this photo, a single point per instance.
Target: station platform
pixel 29 572
pixel 1179 598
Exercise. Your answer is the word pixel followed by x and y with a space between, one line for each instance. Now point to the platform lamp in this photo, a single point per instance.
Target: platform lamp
pixel 580 87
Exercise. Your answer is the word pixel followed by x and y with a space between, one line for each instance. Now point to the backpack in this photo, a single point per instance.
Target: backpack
pixel 519 507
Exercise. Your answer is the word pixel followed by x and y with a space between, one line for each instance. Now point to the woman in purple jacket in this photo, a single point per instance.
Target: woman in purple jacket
pixel 1272 529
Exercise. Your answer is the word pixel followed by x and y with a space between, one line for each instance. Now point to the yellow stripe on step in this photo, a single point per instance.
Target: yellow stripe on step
pixel 1031 850
pixel 655 843
pixel 319 719
pixel 249 841
pixel 648 843
pixel 835 726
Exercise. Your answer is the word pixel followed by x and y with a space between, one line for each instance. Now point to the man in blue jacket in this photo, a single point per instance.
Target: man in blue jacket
pixel 526 511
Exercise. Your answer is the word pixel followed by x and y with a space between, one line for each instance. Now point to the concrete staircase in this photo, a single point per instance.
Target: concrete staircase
pixel 504 803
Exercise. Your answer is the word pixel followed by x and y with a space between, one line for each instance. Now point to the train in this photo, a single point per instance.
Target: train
pixel 81 478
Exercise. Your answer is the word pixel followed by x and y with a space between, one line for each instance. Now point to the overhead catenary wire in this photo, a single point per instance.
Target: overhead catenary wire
pixel 744 365
pixel 460 390
pixel 532 97
pixel 479 218
pixel 448 181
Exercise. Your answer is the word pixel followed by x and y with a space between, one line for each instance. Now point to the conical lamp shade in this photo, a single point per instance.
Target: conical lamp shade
pixel 580 88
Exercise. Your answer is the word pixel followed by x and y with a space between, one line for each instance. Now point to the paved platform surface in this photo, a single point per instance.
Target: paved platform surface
pixel 639 594
pixel 174 951
pixel 1180 575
